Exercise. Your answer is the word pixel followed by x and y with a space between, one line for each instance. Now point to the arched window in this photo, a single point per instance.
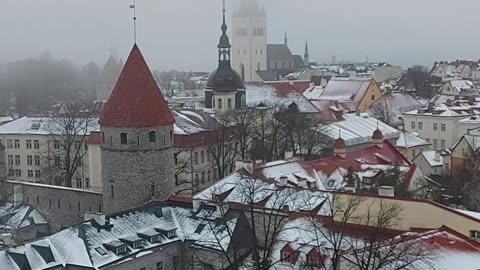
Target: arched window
pixel 123 138
pixel 171 135
pixel 229 103
pixel 152 136
pixel 219 103
pixel 213 102
pixel 258 66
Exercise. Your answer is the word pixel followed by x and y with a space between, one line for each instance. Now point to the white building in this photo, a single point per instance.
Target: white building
pixel 437 124
pixel 249 40
pixel 31 151
pixel 459 88
pixel 433 162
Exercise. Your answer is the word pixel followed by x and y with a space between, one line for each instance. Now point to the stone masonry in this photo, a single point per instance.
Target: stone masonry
pixel 139 171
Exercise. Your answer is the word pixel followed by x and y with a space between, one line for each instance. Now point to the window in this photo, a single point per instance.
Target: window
pixel 195 159
pixel 414 153
pixel 155 239
pixel 175 263
pixel 442 144
pixel 213 102
pixel 9 143
pixel 435 144
pixel 151 136
pixel 38 174
pixel 121 250
pixel 29 160
pixel 435 126
pixel 443 127
pixel 427 140
pixel 475 235
pixel 16 144
pixel 286 256
pixel 229 103
pixel 112 191
pixel 29 144
pixel 203 178
pixel 87 182
pixel 209 156
pixel 420 125
pixel 152 189
pixel 123 138
pixel 37 160
pixel 159 266
pixel 138 245
pixel 258 66
pixel 219 103
pixel 18 173
pixel 209 176
pixel 11 172
pixel 373 97
pixel 36 144
pixel 10 159
pixel 413 125
pixel 171 135
pixel 57 160
pixel 17 160
pixel 30 173
pixel 197 182
pixel 79 182
pixel 202 156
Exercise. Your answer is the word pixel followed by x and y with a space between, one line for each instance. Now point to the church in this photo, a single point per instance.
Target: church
pixel 252 57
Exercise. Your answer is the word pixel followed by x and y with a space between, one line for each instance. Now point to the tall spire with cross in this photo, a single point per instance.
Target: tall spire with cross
pixel 306 56
pixel 224 46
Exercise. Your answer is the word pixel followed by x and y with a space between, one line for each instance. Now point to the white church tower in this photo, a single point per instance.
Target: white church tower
pixel 249 42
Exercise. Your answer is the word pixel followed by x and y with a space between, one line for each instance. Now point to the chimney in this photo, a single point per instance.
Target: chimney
pixel 377 138
pixel 340 148
pixel 317 80
pixel 100 219
pixel 244 164
pixel 283 180
pixel 386 191
pixel 437 157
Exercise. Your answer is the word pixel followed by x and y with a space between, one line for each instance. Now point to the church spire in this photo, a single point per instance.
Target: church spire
pixel 224 44
pixel 306 56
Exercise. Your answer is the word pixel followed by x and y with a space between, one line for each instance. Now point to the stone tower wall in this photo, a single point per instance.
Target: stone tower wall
pixel 131 169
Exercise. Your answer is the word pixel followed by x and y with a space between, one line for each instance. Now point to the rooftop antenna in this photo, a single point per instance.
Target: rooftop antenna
pixel 134 7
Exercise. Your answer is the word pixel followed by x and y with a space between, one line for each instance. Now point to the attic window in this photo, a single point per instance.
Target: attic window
pixel 475 235
pixel 286 207
pixel 200 228
pixel 137 245
pixel 35 126
pixel 171 234
pixel 155 239
pixel 101 251
pixel 121 250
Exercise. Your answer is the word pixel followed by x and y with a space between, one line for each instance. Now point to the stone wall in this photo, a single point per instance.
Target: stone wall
pixel 62 207
pixel 138 171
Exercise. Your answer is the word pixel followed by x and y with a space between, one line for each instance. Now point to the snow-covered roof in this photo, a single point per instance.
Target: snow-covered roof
pixel 269 96
pixel 88 244
pixel 460 85
pixel 346 89
pixel 395 104
pixel 192 121
pixel 358 129
pixel 41 126
pixel 443 250
pixel 433 158
pixel 4 119
pixel 407 140
pixel 18 217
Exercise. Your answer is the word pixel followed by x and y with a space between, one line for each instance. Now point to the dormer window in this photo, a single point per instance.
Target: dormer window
pixel 137 245
pixel 121 250
pixel 171 234
pixel 155 239
pixel 152 136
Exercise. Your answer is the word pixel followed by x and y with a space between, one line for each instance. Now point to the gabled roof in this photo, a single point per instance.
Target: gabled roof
pixel 136 100
pixel 278 51
pixel 350 90
pixel 407 140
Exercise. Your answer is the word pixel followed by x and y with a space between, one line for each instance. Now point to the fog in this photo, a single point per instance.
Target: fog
pixel 182 34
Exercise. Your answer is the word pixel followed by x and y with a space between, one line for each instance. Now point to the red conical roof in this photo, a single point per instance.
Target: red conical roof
pixel 339 143
pixel 377 135
pixel 136 100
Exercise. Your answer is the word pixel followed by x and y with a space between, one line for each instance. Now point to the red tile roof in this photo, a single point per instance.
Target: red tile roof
pixel 136 100
pixel 387 155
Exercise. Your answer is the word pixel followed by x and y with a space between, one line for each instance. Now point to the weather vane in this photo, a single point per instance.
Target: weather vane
pixel 134 21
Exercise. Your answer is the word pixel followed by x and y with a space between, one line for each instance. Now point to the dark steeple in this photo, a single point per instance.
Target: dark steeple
pixel 306 56
pixel 224 79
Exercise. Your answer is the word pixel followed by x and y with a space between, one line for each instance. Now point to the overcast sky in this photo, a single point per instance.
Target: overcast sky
pixel 182 34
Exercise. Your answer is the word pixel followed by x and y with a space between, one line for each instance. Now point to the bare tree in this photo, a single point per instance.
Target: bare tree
pixel 268 136
pixel 242 122
pixel 183 170
pixel 222 146
pixel 67 137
